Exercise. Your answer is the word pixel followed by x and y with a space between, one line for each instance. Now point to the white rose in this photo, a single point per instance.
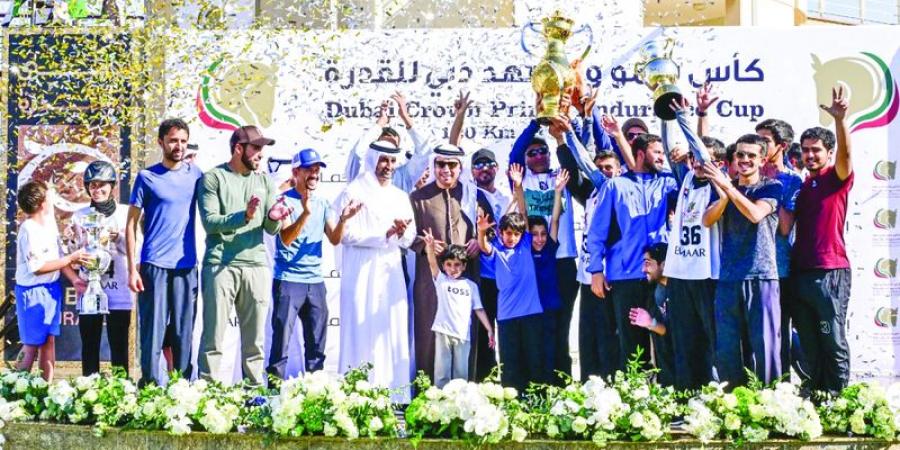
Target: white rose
pixel 552 430
pixel 375 424
pixel 21 386
pixel 636 420
pixel 641 392
pixel 579 425
pixel 90 396
pixel 510 393
pixel 519 434
pixel 38 383
pixel 330 430
pixel 730 401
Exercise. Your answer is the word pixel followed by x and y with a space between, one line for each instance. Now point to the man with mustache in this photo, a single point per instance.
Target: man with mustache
pixel 237 204
pixel 299 289
pixel 447 208
pixel 374 307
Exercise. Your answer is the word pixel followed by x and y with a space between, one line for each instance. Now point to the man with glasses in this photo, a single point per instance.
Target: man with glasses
pixel 747 308
pixel 446 208
pixel 494 202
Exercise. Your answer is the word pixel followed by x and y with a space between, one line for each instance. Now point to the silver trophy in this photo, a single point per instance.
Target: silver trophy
pixel 94 231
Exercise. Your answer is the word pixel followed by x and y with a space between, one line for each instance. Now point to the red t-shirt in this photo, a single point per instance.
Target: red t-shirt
pixel 820 212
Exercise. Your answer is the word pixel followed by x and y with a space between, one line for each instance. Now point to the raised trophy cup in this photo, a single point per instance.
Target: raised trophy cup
pixel 553 76
pixel 95 238
pixel 659 73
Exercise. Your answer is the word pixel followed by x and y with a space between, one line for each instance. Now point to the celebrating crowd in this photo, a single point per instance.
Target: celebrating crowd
pixel 707 260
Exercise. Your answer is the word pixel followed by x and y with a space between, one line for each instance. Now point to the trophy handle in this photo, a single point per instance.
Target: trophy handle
pixel 531 25
pixel 670 45
pixel 639 69
pixel 590 31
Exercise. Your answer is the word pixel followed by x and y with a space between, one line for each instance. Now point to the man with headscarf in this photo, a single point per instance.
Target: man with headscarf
pixel 374 309
pixel 405 176
pixel 447 208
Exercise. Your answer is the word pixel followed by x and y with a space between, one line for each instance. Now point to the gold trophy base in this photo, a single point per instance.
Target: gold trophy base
pixel 663 96
pixel 549 109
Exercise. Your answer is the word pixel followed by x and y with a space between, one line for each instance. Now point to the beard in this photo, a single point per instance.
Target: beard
pixel 248 163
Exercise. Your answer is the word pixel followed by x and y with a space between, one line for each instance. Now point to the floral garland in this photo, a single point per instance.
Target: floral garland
pixel 628 407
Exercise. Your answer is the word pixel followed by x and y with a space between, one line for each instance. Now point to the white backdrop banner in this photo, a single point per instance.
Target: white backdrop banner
pixel 323 91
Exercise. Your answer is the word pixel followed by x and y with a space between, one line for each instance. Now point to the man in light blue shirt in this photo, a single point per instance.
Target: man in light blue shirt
pixel 298 289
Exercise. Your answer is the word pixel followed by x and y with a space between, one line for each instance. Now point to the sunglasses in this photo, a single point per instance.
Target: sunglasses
pixel 538 151
pixel 741 154
pixel 446 164
pixel 631 136
pixel 275 164
pixel 481 165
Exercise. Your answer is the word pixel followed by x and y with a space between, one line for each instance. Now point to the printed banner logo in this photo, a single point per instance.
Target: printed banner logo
pixel 886 317
pixel 885 219
pixel 874 99
pixel 242 94
pixel 886 268
pixel 885 170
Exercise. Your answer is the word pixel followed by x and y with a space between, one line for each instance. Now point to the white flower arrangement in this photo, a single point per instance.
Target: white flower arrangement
pixel 481 413
pixel 863 409
pixel 321 403
pixel 751 413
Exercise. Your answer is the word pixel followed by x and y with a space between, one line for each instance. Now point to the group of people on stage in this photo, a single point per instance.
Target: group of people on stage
pixel 711 259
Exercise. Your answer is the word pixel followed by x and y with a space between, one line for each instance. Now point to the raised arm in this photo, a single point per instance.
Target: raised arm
pixel 355 157
pixel 610 125
pixel 705 101
pixel 516 175
pixel 429 241
pixel 484 224
pixel 460 106
pixel 715 210
pixel 843 163
pixel 290 232
pixel 561 179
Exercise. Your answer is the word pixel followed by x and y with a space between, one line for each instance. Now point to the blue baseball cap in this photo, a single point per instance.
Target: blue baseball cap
pixel 307 158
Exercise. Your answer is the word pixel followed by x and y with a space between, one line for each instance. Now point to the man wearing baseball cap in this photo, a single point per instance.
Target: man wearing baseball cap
pixel 299 289
pixel 237 203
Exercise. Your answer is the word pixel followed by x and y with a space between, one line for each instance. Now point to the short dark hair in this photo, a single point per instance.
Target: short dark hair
pixel 754 139
pixel 389 131
pixel 717 147
pixel 168 124
pixel 657 251
pixel 514 221
pixel 534 221
pixel 794 151
pixel 729 152
pixel 782 132
pixel 31 195
pixel 453 252
pixel 642 142
pixel 605 154
pixel 822 134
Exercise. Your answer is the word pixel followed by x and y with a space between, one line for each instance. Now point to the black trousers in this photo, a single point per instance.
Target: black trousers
pixel 91 328
pixel 627 294
pixel 692 327
pixel 308 302
pixel 567 280
pixel 820 316
pixel 522 352
pixel 598 343
pixel 483 359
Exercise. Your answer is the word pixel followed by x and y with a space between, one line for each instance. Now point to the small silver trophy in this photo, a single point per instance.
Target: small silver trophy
pixel 95 239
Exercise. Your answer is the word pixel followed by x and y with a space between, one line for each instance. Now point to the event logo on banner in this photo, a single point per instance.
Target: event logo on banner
pixel 886 317
pixel 873 91
pixel 243 95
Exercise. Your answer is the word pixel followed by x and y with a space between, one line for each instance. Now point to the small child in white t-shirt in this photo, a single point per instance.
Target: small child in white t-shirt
pixel 457 298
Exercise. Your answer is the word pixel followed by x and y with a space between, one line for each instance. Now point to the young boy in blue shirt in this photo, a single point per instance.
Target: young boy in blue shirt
pixel 519 312
pixel 544 243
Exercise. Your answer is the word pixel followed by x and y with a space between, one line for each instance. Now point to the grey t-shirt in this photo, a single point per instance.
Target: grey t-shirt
pixel 748 249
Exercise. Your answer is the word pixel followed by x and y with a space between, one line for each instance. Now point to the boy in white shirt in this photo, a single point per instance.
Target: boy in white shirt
pixel 457 297
pixel 39 261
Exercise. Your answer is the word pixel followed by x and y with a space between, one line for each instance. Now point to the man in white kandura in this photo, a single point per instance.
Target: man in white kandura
pixel 374 308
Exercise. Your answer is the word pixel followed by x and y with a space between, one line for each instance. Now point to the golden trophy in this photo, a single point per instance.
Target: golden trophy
pixel 659 73
pixel 553 77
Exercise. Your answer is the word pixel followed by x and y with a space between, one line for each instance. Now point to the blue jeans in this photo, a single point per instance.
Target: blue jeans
pixel 748 330
pixel 308 301
pixel 166 306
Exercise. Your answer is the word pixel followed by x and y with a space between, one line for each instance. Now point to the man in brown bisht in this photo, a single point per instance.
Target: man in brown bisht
pixel 447 208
